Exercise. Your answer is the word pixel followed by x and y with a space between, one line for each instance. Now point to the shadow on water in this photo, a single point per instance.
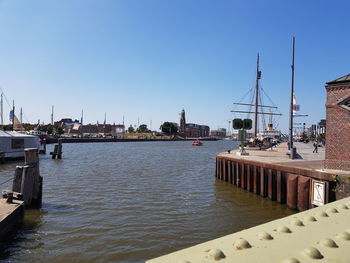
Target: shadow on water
pixel 13 240
pixel 248 209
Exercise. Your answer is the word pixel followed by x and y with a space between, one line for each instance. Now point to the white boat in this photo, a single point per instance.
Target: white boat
pixel 13 143
pixel 270 133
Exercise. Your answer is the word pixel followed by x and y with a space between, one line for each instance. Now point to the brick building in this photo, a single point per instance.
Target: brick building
pixel 219 133
pixel 338 124
pixel 192 130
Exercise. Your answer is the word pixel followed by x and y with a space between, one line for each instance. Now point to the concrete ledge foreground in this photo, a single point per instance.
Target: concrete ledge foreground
pixel 10 215
pixel 320 234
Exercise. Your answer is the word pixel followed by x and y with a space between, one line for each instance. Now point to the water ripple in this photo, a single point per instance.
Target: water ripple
pixel 128 202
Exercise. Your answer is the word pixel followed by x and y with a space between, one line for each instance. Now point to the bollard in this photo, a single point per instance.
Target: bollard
pixel 57 152
pixel 27 179
pixel 43 150
pixel 9 199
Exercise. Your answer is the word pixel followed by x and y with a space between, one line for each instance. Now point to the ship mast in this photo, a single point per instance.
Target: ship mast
pixel 256 104
pixel 258 76
pixel 52 115
pixel 291 115
pixel 2 110
pixel 13 114
pixel 21 116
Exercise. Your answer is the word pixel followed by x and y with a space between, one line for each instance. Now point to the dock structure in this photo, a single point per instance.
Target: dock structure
pixel 26 192
pixel 320 234
pixel 295 182
pixel 10 215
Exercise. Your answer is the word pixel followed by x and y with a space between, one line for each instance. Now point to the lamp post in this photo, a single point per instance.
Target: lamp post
pixel 291 151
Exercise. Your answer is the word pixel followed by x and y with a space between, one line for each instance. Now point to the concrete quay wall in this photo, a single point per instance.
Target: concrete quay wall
pixel 272 174
pixel 281 183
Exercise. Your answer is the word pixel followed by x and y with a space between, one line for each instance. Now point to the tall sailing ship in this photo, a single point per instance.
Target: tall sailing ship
pixel 268 132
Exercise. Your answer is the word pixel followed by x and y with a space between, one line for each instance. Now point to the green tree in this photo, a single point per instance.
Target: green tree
pixel 7 127
pixel 169 128
pixel 59 130
pixel 131 129
pixel 304 137
pixel 47 128
pixel 142 128
pixel 321 137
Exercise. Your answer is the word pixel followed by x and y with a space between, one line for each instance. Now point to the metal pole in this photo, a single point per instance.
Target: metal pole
pixel 2 109
pixel 291 107
pixel 13 114
pixel 81 122
pixel 52 115
pixel 256 98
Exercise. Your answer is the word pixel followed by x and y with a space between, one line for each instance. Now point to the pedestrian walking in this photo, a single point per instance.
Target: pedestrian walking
pixel 315 147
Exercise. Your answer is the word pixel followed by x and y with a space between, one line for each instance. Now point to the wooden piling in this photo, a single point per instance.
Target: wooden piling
pixel 220 169
pixel 230 172
pixel 303 193
pixel 57 152
pixel 43 150
pixel 271 174
pixel 263 182
pixel 234 173
pixel 238 176
pixel 17 179
pixel 27 181
pixel 292 190
pixel 279 186
pixel 249 179
pixel 224 170
pixel 243 176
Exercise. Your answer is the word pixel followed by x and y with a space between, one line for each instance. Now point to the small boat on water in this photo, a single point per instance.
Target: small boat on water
pixel 197 143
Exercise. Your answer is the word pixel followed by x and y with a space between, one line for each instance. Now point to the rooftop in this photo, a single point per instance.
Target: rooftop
pixel 342 79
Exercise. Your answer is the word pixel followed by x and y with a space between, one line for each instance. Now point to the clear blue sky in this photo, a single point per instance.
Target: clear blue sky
pixel 148 59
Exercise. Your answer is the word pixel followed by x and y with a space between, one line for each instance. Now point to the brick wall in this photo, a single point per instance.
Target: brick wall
pixel 338 127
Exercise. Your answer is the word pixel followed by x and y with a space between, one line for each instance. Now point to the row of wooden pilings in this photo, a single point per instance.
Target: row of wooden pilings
pixel 27 182
pixel 278 185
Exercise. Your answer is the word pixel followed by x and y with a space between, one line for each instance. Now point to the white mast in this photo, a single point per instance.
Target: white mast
pixel 52 115
pixel 21 116
pixel 2 109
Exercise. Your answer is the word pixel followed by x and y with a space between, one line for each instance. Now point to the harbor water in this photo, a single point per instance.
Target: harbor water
pixel 132 201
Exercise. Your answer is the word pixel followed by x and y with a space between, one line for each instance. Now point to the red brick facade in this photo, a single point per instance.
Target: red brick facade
pixel 191 130
pixel 338 125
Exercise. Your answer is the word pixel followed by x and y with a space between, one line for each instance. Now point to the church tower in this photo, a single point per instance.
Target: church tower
pixel 182 129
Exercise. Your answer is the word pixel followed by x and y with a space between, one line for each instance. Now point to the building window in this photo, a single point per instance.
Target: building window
pixel 17 143
pixel 345 104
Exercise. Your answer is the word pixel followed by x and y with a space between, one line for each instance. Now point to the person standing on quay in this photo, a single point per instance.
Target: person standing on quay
pixel 316 147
